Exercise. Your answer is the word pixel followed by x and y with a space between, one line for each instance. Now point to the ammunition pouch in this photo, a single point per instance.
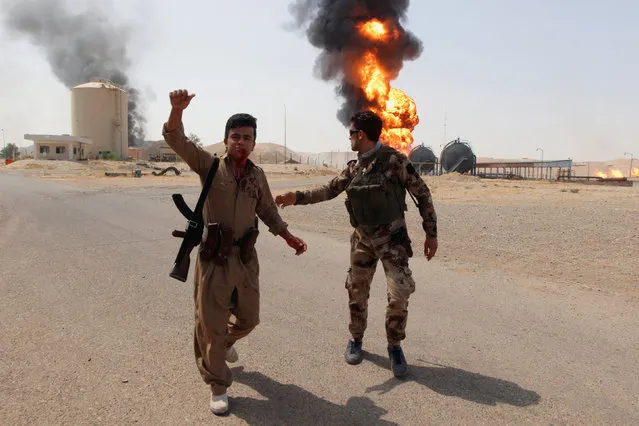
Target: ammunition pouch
pixel 218 243
pixel 351 215
pixel 400 237
pixel 247 244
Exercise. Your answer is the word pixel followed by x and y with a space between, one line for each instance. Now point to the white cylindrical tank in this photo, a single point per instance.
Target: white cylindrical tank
pixel 99 111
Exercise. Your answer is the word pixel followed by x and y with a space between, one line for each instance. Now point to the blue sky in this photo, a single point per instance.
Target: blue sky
pixel 510 76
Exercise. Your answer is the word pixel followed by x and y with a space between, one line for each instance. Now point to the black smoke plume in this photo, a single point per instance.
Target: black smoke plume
pixel 79 47
pixel 331 25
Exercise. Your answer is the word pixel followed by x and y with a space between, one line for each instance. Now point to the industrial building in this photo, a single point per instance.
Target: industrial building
pixel 99 125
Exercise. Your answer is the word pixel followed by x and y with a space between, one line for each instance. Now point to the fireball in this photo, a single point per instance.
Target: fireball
pixel 397 110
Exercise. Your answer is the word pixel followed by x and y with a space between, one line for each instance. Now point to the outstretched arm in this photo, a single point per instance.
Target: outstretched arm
pixel 197 158
pixel 323 193
pixel 267 211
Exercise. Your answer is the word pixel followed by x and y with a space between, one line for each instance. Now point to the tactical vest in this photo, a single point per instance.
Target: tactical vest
pixel 374 199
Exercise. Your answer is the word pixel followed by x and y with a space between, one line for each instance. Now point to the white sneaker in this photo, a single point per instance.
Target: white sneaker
pixel 231 355
pixel 219 403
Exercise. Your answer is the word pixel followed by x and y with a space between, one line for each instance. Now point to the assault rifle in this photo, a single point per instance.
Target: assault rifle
pixel 192 235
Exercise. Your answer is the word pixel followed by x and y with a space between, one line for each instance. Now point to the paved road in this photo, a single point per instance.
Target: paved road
pixel 95 332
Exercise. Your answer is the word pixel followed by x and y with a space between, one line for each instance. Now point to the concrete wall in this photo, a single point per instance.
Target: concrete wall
pixel 60 151
pixel 161 151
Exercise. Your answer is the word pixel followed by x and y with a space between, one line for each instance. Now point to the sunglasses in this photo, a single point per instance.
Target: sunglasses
pixel 352 132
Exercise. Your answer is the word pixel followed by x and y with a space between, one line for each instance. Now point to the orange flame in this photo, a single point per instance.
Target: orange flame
pixel 635 172
pixel 374 29
pixel 614 173
pixel 397 110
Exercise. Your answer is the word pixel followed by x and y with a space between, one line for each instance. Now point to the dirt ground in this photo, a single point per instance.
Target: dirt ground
pixel 93 173
pixel 577 234
pixel 574 234
pixel 528 314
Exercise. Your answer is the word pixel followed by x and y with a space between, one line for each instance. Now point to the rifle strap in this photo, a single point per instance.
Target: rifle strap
pixel 197 212
pixel 414 201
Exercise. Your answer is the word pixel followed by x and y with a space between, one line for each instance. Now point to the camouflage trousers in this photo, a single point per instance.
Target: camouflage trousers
pixel 365 254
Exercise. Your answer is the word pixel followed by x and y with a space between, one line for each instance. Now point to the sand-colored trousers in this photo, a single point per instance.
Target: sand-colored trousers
pixel 219 292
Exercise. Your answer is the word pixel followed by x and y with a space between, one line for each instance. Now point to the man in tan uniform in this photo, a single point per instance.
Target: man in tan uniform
pixel 230 285
pixel 376 187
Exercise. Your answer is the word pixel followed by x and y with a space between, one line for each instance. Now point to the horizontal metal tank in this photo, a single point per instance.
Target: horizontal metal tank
pixel 457 156
pixel 99 111
pixel 422 154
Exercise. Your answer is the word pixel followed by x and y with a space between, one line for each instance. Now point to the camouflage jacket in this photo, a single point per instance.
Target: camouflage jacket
pixel 399 166
pixel 231 202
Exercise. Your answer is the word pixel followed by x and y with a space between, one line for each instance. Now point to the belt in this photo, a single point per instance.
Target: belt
pixel 206 231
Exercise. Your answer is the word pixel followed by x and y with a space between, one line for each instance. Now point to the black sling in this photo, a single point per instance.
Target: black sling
pixel 192 235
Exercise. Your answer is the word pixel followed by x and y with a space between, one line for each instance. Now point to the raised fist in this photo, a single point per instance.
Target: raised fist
pixel 180 99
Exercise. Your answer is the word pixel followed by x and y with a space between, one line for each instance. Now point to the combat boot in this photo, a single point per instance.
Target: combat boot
pixel 398 361
pixel 353 354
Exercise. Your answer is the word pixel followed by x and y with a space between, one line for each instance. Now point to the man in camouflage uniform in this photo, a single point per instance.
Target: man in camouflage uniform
pixel 376 187
pixel 228 285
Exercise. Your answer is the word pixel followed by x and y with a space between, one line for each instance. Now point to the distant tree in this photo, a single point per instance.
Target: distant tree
pixel 7 151
pixel 195 138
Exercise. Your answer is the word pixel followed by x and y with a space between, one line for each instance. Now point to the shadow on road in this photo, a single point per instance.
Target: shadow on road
pixel 290 404
pixel 455 382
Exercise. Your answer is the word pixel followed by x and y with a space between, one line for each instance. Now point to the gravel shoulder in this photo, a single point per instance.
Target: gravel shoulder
pixel 567 234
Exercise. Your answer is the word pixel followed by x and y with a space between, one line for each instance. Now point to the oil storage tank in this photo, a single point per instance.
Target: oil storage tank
pixel 422 154
pixel 457 156
pixel 99 111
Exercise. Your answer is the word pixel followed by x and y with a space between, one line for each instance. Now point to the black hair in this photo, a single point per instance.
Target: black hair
pixel 368 122
pixel 241 120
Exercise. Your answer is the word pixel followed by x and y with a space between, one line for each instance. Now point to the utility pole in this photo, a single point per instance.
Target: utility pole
pixel 284 135
pixel 629 171
pixel 542 154
pixel 4 145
